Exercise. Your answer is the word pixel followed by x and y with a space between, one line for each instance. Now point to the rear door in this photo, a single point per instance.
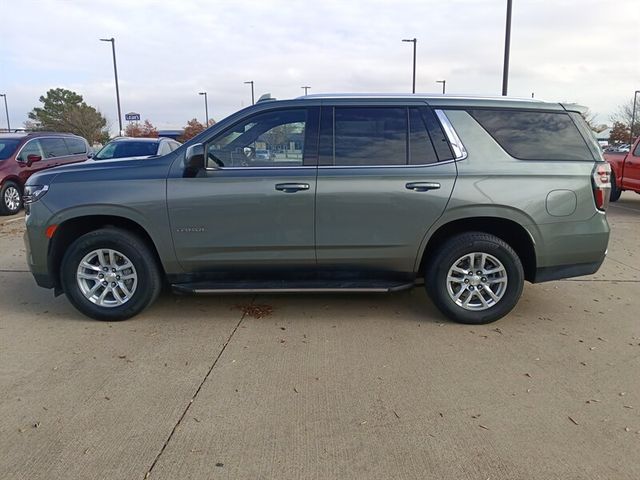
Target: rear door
pixel 55 151
pixel 385 175
pixel 77 148
pixel 245 214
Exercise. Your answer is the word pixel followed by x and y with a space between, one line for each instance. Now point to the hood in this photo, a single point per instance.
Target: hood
pixel 89 170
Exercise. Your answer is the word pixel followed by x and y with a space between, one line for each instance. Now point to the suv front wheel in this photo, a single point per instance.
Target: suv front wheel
pixel 475 278
pixel 110 274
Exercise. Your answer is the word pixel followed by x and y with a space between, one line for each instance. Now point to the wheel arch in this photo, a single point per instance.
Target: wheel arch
pixel 508 230
pixel 71 229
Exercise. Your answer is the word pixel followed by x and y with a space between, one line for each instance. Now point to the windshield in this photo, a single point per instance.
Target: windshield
pixel 7 147
pixel 120 149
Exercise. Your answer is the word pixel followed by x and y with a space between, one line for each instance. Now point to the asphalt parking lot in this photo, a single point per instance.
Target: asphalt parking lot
pixel 328 386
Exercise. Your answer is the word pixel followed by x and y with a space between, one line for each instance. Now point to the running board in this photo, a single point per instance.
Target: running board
pixel 311 286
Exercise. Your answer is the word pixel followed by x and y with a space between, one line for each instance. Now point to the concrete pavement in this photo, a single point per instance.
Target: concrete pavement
pixel 329 386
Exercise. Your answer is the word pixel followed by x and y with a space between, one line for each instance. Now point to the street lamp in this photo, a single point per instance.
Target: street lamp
pixel 633 117
pixel 444 85
pixel 414 41
pixel 6 109
pixel 507 44
pixel 305 90
pixel 206 109
pixel 252 97
pixel 115 72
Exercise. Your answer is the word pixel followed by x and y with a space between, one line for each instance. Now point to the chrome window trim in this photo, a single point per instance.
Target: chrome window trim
pixel 421 165
pixel 209 169
pixel 459 151
pixel 49 158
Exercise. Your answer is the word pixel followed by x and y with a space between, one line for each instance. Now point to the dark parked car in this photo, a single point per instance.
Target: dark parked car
pixel 129 147
pixel 22 154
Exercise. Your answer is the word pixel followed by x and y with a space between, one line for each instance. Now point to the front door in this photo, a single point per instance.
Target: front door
pixel 252 209
pixel 385 176
pixel 631 172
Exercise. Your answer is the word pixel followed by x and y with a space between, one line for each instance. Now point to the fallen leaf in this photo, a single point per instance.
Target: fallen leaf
pixel 396 414
pixel 576 423
pixel 482 426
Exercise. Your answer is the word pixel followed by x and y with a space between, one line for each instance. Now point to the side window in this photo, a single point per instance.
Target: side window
pixel 31 148
pixel 76 146
pixel 54 147
pixel 270 139
pixel 370 136
pixel 173 145
pixel 534 135
pixel 164 148
pixel 440 142
pixel 421 150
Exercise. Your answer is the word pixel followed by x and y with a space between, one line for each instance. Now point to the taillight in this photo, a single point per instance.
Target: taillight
pixel 601 180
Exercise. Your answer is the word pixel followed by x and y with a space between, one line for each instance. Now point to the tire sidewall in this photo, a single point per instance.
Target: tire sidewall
pixel 448 256
pixel 615 194
pixel 4 209
pixel 146 269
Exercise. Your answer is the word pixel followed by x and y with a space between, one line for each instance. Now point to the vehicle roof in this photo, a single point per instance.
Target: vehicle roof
pixel 138 139
pixel 35 134
pixel 441 100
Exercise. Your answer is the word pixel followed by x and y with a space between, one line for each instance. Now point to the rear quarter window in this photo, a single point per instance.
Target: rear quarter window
pixel 535 135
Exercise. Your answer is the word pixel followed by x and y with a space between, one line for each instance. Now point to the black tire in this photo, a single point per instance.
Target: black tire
pixel 615 191
pixel 149 279
pixel 8 205
pixel 446 257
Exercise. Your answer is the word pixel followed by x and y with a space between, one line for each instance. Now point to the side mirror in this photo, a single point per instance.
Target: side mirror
pixel 90 155
pixel 193 160
pixel 33 158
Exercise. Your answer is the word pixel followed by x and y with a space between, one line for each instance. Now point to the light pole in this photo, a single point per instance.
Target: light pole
pixel 507 44
pixel 206 109
pixel 633 117
pixel 6 109
pixel 415 42
pixel 444 84
pixel 305 90
pixel 252 97
pixel 115 72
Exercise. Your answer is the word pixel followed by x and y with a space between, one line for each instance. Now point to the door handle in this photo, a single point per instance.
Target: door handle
pixel 422 186
pixel 291 187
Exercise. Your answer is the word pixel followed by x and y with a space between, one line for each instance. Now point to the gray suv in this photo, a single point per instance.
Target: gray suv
pixel 360 193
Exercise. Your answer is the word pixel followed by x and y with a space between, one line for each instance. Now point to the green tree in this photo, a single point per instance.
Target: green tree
pixel 65 111
pixel 623 115
pixel 619 133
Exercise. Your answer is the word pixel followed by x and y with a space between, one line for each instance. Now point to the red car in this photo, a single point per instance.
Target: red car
pixel 23 154
pixel 625 171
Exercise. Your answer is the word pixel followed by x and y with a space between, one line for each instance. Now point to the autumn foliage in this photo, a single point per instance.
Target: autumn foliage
pixel 146 130
pixel 193 128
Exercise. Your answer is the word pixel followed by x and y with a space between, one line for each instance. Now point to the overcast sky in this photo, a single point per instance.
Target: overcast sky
pixel 583 51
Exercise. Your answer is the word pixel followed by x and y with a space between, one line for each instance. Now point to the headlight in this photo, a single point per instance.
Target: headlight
pixel 33 193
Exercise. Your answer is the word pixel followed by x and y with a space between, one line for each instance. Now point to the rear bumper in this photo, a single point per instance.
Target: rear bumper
pixel 547 274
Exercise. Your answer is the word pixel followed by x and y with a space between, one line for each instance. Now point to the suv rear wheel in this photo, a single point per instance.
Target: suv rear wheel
pixel 11 199
pixel 110 274
pixel 475 278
